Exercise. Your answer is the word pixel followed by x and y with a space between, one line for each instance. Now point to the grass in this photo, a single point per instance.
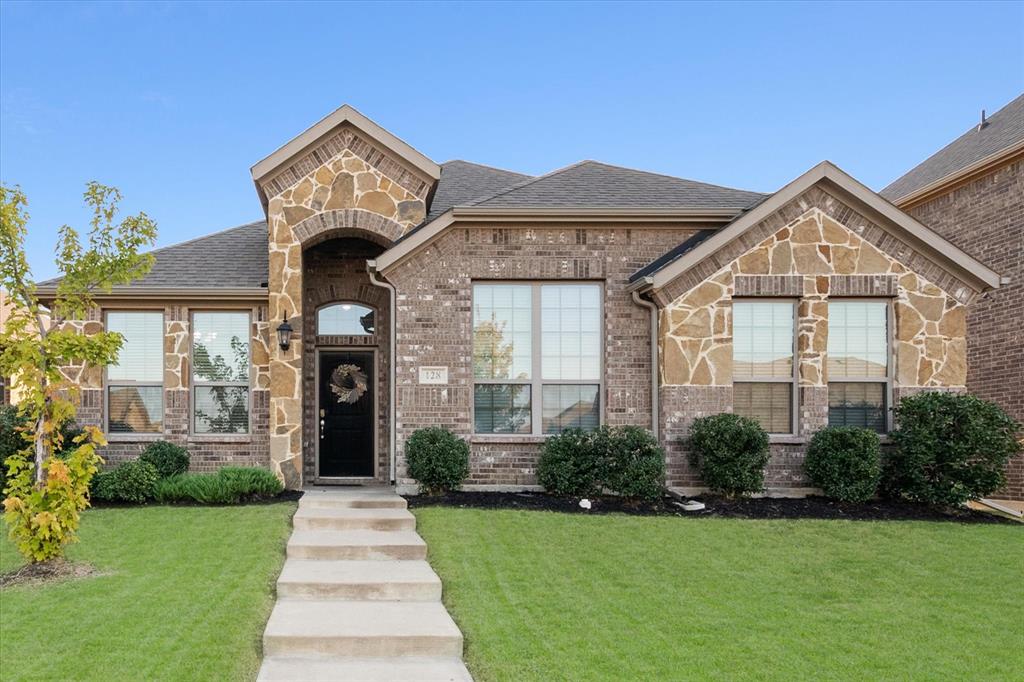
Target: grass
pixel 547 596
pixel 187 596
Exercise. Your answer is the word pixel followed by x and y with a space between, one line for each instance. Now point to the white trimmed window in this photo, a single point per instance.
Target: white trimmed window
pixel 859 366
pixel 536 357
pixel 220 372
pixel 764 363
pixel 135 388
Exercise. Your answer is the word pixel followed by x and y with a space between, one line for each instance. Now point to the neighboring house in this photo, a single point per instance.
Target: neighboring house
pixel 972 193
pixel 508 307
pixel 8 387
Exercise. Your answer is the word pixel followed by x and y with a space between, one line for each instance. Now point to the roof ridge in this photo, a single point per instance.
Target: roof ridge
pixel 670 177
pixel 528 181
pixel 483 165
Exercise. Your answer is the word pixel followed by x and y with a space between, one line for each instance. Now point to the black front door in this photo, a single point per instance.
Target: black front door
pixel 345 414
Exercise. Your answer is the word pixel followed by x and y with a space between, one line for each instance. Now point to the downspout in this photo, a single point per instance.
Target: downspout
pixel 371 270
pixel 655 411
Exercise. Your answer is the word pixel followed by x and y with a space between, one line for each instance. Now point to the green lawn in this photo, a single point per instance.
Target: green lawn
pixel 187 597
pixel 546 596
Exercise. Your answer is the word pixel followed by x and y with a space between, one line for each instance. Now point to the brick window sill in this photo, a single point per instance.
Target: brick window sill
pixel 238 438
pixel 507 438
pixel 786 440
pixel 134 437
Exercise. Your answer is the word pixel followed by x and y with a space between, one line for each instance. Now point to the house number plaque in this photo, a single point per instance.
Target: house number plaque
pixel 433 375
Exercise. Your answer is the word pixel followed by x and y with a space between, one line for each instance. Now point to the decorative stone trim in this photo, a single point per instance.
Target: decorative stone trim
pixel 864 285
pixel 769 285
pixel 354 222
pixel 346 138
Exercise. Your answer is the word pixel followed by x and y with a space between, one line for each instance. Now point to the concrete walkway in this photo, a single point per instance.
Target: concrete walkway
pixel 356 600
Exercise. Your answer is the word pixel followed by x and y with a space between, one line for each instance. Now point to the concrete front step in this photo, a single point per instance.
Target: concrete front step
pixel 325 518
pixel 289 669
pixel 352 499
pixel 365 629
pixel 359 580
pixel 356 544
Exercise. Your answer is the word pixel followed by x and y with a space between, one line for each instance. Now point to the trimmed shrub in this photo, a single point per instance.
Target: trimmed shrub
pixel 570 464
pixel 731 452
pixel 133 481
pixel 949 448
pixel 168 458
pixel 634 464
pixel 845 462
pixel 229 485
pixel 437 458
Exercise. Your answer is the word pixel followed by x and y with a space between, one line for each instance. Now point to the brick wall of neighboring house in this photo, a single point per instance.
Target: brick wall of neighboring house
pixel 813 249
pixel 434 290
pixel 335 271
pixel 208 452
pixel 985 217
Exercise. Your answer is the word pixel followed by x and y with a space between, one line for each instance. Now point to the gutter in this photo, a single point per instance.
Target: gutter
pixel 163 293
pixel 371 270
pixel 655 403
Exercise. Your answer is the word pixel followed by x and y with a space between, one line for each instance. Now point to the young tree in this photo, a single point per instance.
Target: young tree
pixel 44 493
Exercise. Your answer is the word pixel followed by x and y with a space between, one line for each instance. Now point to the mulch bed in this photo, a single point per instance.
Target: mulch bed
pixel 48 572
pixel 747 508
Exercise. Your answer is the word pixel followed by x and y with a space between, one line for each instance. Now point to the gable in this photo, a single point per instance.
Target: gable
pixel 345 130
pixel 848 202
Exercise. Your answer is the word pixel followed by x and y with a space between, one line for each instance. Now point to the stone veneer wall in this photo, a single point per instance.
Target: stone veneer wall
pixel 985 217
pixel 345 186
pixel 434 320
pixel 336 271
pixel 813 249
pixel 208 452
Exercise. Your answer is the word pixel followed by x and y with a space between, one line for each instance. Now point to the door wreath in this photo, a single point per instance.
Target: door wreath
pixel 348 382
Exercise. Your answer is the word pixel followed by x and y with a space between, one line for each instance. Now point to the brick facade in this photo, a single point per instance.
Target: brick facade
pixel 985 217
pixel 435 325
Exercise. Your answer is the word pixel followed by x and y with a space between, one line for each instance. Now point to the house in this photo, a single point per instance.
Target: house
pixel 972 193
pixel 385 293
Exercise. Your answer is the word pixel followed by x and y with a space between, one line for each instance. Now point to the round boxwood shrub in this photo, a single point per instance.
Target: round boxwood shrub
pixel 437 459
pixel 949 448
pixel 570 464
pixel 634 463
pixel 845 462
pixel 133 481
pixel 168 459
pixel 731 452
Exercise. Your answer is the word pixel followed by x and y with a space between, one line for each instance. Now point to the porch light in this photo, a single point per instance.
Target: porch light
pixel 284 332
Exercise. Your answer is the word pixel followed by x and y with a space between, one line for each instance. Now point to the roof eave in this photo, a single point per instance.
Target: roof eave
pixel 48 293
pixel 492 214
pixel 980 167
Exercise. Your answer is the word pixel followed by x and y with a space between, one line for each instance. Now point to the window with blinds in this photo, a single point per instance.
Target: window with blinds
pixel 764 365
pixel 536 357
pixel 859 364
pixel 134 390
pixel 220 372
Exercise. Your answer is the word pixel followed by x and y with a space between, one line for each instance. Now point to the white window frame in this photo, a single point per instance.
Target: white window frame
pixel 195 383
pixel 794 379
pixel 536 382
pixel 109 383
pixel 889 379
pixel 332 304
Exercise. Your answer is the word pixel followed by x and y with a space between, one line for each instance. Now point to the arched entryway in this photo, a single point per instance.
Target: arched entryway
pixel 345 364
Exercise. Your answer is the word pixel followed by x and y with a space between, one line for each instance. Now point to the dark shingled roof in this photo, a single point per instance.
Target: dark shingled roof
pixel 591 184
pixel 463 182
pixel 673 255
pixel 234 258
pixel 1004 129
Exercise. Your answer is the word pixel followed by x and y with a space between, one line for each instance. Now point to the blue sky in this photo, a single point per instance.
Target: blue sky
pixel 173 103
